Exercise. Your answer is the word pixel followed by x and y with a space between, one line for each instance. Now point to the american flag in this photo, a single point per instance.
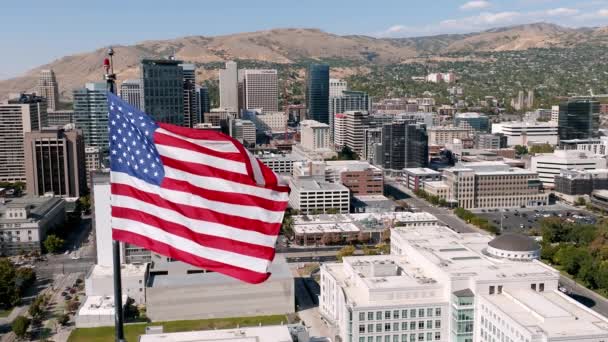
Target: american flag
pixel 195 196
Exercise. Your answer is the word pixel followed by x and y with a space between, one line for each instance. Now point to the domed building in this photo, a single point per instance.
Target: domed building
pixel 513 246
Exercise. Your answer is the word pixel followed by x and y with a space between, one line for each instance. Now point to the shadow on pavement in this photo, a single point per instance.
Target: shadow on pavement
pixel 586 301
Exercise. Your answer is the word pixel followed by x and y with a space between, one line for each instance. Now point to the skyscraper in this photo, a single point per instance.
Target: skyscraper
pixel 405 145
pixel 229 86
pixel 91 114
pixel 260 89
pixel 203 103
pixel 347 101
pixel 163 90
pixel 17 117
pixel 579 118
pixel 130 91
pixel 336 87
pixel 317 92
pixel 190 98
pixel 48 88
pixel 54 160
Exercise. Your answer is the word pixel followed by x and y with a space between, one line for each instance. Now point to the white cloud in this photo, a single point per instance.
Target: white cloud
pixel 480 21
pixel 475 4
pixel 561 11
pixel 597 16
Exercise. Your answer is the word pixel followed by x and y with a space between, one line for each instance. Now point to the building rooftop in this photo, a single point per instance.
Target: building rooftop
pixel 37 208
pixel 362 221
pixel 338 227
pixel 350 165
pixel 550 313
pixel 247 334
pixel 420 171
pixel 514 242
pixel 126 270
pixel 311 184
pixel 470 115
pixel 384 279
pixel 99 306
pixel 463 255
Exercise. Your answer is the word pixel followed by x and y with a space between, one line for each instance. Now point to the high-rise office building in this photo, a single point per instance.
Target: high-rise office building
pixel 579 118
pixel 17 117
pixel 373 137
pixel 91 114
pixel 336 87
pixel 54 160
pixel 48 88
pixel 243 131
pixel 317 92
pixel 473 121
pixel 163 90
pixel 93 161
pixel 229 86
pixel 260 89
pixel 190 98
pixel 348 101
pixel 130 91
pixel 405 145
pixel 203 103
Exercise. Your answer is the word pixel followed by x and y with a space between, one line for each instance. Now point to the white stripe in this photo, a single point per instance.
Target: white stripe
pixel 189 246
pixel 216 145
pixel 257 172
pixel 181 154
pixel 178 197
pixel 218 184
pixel 198 226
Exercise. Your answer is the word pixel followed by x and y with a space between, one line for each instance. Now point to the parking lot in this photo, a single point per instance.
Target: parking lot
pixel 523 219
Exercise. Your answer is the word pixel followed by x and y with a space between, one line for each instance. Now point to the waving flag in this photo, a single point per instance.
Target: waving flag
pixel 192 195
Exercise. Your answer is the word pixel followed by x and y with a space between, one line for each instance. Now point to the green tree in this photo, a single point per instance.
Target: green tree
pixel 347 154
pixel 383 248
pixel 345 251
pixel 553 230
pixel 580 201
pixel 542 148
pixel 521 150
pixel 20 325
pixel 53 243
pixel 9 291
pixel 24 277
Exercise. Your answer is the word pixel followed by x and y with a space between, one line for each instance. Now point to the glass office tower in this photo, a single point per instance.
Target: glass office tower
pixel 91 114
pixel 317 92
pixel 163 90
pixel 579 118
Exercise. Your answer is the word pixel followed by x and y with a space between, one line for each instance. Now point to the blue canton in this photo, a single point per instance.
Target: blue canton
pixel 132 148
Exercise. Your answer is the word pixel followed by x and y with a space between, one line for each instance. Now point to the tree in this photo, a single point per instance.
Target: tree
pixel 53 243
pixel 20 325
pixel 383 248
pixel 63 319
pixel 542 148
pixel 347 154
pixel 521 150
pixel 9 291
pixel 24 277
pixel 385 236
pixel 131 312
pixel 345 251
pixel 580 201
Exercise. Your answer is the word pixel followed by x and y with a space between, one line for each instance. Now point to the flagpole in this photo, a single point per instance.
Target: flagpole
pixel 110 77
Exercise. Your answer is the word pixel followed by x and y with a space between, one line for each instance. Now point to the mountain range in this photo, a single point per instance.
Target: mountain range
pixel 291 45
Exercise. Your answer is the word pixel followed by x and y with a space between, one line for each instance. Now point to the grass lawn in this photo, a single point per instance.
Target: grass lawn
pixel 132 331
pixel 5 313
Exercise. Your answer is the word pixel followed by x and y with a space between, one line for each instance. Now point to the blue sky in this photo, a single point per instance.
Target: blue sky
pixel 35 32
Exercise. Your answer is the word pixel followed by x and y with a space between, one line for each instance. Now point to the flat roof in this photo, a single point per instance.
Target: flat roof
pixel 276 333
pixel 38 208
pixel 551 313
pixel 397 216
pixel 463 255
pixel 421 171
pixel 99 306
pixel 311 184
pixel 127 270
pixel 325 228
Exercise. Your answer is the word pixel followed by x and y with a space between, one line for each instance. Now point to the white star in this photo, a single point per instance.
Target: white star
pixel 141 118
pixel 146 132
pixel 143 124
pixel 119 131
pixel 128 163
pixel 113 137
pixel 120 160
pixel 149 155
pixel 113 123
pixel 153 165
pixel 130 134
pixel 124 154
pixel 137 152
pixel 136 167
pixel 124 140
pixel 119 145
pixel 124 125
pixel 141 161
pixel 129 148
pixel 120 109
pixel 113 151
pixel 134 143
pixel 132 121
pixel 145 170
pixel 155 174
pixel 130 114
pixel 117 116
pixel 132 158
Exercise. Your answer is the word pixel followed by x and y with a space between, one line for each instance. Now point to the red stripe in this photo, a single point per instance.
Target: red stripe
pixel 206 170
pixel 211 241
pixel 243 274
pixel 197 212
pixel 222 196
pixel 168 140
pixel 196 133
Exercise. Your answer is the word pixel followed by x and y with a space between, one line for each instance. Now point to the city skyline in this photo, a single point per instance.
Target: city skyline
pixel 50 37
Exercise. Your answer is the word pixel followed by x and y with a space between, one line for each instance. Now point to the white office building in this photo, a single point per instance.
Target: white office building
pixel 438 285
pixel 548 165
pixel 260 89
pixel 243 131
pixel 314 135
pixel 527 133
pixel 311 194
pixel 281 164
pixel 336 87
pixel 229 86
pixel 271 121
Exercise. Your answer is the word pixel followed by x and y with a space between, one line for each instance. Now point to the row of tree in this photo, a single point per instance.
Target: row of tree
pixel 433 199
pixel 478 221
pixel 13 282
